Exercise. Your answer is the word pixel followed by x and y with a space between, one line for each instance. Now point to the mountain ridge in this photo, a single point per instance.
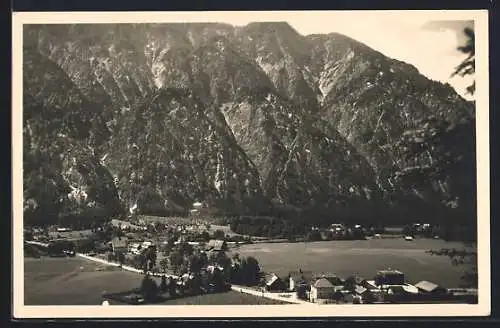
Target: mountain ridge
pixel 316 122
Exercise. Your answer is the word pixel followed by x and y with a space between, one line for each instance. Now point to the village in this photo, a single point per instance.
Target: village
pixel 190 256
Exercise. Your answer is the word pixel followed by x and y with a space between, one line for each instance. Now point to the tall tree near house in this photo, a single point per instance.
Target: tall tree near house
pixel 465 256
pixel 350 283
pixel 142 262
pixel 196 263
pixel 163 284
pixel 251 271
pixel 164 264
pixel 149 288
pixel 176 260
pixel 172 288
pixel 468 65
pixel 462 257
pixel 121 258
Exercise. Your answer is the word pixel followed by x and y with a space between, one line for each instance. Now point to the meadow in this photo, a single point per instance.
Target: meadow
pixel 362 257
pixel 75 281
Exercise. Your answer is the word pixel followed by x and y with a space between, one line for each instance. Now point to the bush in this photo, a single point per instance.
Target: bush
pixel 163 285
pixel 219 234
pixel 111 257
pixel 120 257
pixel 149 289
pixel 164 264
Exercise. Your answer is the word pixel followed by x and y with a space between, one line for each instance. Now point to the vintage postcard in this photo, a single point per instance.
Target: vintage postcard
pixel 251 164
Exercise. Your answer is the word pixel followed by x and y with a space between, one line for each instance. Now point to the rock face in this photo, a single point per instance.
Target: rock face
pixel 153 117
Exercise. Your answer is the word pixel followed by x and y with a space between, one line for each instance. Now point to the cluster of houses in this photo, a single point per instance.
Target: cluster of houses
pixel 179 224
pixel 136 247
pixel 388 286
pixel 340 231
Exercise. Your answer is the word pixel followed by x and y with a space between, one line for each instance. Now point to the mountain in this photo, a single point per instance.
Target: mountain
pixel 253 120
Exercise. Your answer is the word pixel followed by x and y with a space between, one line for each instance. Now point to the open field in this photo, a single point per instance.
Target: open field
pixel 363 257
pixel 228 298
pixel 72 281
pixel 75 281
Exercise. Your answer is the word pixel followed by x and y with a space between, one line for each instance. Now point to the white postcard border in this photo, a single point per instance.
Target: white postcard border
pixel 480 18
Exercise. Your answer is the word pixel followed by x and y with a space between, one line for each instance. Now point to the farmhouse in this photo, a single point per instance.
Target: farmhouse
pixel 336 282
pixel 360 290
pixel 119 244
pixel 275 283
pixel 428 287
pixel 402 289
pixel 321 291
pixel 400 293
pixel 135 248
pixel 370 285
pixel 216 245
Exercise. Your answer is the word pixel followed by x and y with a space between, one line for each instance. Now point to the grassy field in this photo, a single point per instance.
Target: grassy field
pixel 75 281
pixel 228 298
pixel 363 257
pixel 72 281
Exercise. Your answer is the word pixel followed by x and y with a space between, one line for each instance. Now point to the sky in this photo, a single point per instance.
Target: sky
pixel 428 42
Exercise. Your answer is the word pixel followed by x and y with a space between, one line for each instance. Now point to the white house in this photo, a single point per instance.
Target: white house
pixel 321 290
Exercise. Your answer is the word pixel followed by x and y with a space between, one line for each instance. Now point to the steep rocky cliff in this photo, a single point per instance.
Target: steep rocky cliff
pixel 152 117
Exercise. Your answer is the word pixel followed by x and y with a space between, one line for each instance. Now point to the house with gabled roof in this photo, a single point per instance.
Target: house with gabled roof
pixel 428 287
pixel 274 283
pixel 216 245
pixel 321 291
pixel 119 244
pixel 337 283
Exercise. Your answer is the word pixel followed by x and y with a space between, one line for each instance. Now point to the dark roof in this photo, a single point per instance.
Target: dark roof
pixel 322 283
pixel 272 280
pixel 427 286
pixel 397 289
pixel 334 280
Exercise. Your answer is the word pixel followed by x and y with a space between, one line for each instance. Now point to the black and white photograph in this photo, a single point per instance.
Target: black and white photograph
pixel 326 162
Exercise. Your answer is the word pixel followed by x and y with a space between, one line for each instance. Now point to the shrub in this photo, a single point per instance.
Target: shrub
pixel 163 285
pixel 164 264
pixel 149 289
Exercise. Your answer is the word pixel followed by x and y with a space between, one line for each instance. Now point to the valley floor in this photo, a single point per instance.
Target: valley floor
pixel 361 257
pixel 76 281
